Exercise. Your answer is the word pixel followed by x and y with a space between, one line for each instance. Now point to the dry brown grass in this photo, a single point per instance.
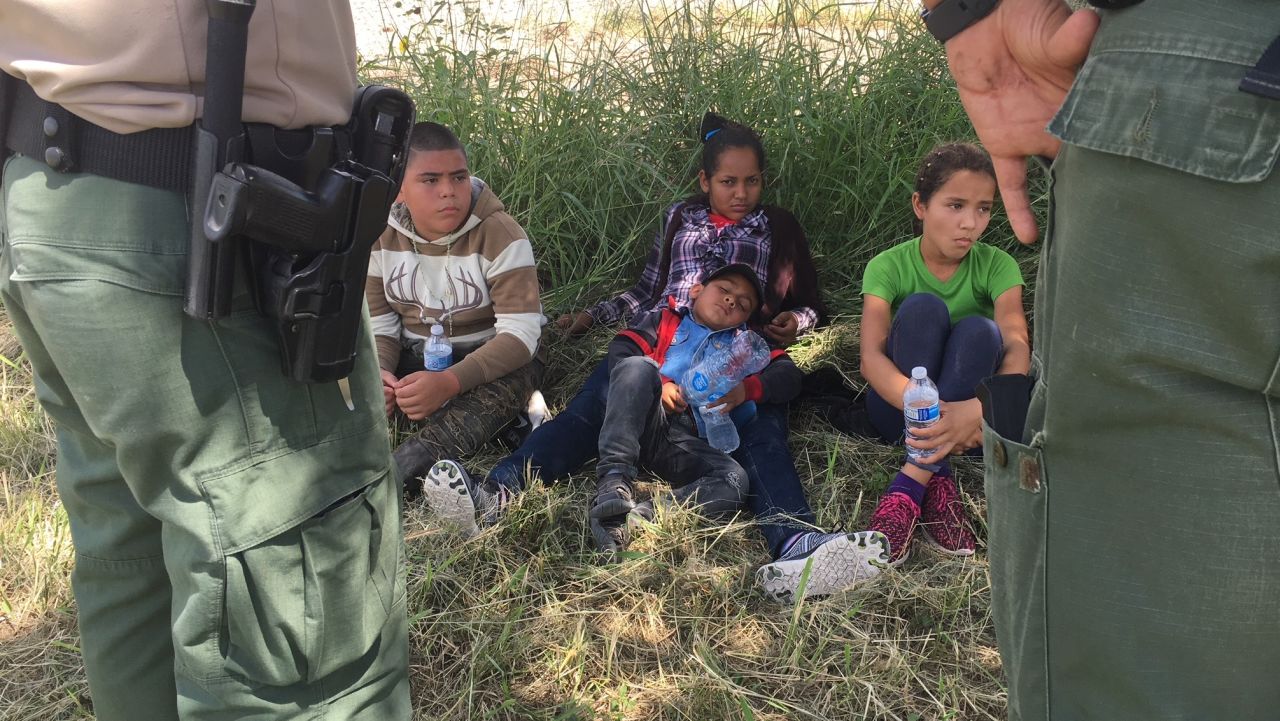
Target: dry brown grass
pixel 520 623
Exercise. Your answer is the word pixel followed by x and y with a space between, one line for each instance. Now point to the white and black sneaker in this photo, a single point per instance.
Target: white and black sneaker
pixel 457 500
pixel 834 561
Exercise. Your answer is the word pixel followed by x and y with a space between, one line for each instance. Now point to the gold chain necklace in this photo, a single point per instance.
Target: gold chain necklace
pixel 446 318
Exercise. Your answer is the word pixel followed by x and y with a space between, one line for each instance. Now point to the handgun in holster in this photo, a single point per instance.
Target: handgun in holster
pixel 299 212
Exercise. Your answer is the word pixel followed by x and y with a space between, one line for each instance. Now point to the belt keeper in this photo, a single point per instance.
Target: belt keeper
pixel 49 133
pixel 8 93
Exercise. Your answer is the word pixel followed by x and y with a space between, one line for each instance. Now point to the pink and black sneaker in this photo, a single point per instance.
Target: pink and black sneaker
pixel 943 519
pixel 895 517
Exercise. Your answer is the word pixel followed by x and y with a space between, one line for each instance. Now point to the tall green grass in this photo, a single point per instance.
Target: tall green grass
pixel 587 137
pixel 587 132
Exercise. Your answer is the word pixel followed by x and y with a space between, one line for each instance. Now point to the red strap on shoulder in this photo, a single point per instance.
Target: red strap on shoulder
pixel 666 332
pixel 638 339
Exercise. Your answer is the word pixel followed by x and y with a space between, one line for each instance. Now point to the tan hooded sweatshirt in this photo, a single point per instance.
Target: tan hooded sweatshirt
pixel 131 65
pixel 479 282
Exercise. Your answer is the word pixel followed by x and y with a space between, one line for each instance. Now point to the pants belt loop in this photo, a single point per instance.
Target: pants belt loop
pixel 8 88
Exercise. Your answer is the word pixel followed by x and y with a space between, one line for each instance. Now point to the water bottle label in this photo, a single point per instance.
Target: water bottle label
pixel 438 362
pixel 922 415
pixel 700 382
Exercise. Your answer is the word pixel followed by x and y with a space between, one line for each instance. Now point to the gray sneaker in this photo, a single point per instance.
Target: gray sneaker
pixel 457 500
pixel 836 562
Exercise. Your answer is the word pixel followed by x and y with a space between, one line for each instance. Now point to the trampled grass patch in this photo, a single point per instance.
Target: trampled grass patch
pixel 587 134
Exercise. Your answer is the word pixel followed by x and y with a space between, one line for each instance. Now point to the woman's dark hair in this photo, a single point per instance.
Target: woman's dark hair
pixel 944 161
pixel 719 134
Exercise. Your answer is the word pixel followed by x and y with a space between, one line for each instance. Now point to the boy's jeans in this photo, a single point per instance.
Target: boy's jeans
pixel 561 446
pixel 638 432
pixel 462 427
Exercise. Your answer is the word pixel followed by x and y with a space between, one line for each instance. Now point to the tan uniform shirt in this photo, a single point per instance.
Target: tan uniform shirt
pixel 131 65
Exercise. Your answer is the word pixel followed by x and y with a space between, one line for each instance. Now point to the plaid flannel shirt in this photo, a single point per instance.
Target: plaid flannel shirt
pixel 696 250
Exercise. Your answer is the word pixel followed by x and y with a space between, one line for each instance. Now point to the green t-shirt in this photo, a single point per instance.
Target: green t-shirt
pixel 983 275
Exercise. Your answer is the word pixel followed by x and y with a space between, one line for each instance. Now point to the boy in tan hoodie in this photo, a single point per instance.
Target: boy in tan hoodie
pixel 451 256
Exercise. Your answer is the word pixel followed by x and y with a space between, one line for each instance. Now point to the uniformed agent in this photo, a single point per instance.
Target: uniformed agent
pixel 237 534
pixel 1135 554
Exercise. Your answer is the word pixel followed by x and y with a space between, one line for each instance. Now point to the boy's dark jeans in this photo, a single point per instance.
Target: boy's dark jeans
pixel 957 357
pixel 560 446
pixel 638 432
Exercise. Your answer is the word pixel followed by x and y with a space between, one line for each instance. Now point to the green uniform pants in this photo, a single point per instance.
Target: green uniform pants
pixel 1135 527
pixel 238 544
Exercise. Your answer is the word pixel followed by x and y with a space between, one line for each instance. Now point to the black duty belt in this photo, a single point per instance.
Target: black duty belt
pixel 160 157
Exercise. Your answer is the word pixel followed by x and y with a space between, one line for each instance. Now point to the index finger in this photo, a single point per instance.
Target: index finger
pixel 1011 177
pixel 926 433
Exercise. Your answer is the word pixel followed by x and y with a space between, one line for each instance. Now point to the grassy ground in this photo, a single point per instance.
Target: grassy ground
pixel 587 134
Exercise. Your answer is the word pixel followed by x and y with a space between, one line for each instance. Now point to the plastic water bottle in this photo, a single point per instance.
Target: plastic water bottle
pixel 722 362
pixel 722 435
pixel 920 407
pixel 438 353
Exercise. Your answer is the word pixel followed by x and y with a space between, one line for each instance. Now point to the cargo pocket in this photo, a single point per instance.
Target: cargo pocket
pixel 1017 498
pixel 312 599
pixel 282 415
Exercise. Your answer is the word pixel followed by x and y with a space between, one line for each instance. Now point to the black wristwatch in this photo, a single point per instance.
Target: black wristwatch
pixel 951 16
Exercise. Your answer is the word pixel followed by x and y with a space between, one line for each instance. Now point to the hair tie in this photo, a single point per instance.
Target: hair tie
pixel 707 137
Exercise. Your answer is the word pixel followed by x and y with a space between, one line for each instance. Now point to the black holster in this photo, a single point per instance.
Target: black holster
pixel 305 223
pixel 8 90
pixel 303 211
pixel 1005 400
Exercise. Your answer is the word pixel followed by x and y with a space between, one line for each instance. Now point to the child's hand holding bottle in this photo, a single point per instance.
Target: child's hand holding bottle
pixel 672 399
pixel 727 402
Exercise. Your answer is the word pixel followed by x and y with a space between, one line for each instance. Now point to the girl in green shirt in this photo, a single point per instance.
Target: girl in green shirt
pixel 953 305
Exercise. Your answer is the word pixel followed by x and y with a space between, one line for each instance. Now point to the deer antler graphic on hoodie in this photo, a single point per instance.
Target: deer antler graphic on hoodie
pixel 470 297
pixel 402 287
pixel 402 275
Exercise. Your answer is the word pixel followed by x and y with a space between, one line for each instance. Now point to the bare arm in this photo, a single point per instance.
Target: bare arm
pixel 1013 331
pixel 877 367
